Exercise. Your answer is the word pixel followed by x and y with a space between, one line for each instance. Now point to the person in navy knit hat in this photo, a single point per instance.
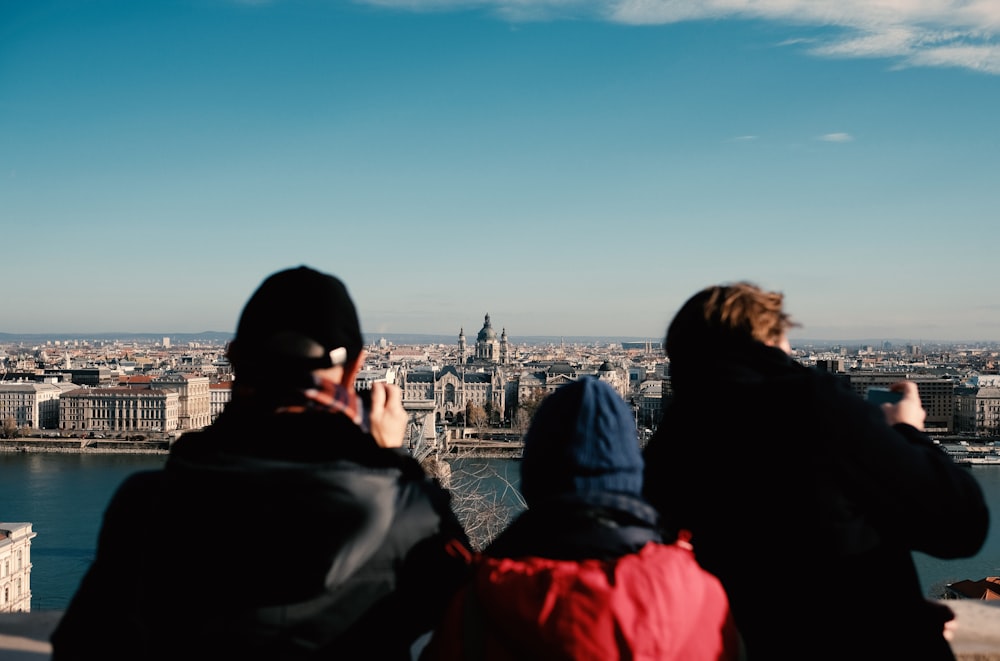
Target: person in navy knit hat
pixel 576 445
pixel 584 572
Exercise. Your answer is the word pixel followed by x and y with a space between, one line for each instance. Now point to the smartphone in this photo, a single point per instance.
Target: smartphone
pixel 881 396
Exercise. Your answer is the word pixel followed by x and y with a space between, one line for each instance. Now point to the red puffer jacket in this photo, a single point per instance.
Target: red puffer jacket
pixel 657 604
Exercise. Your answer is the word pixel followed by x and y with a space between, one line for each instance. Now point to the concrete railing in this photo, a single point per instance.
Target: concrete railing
pixel 25 636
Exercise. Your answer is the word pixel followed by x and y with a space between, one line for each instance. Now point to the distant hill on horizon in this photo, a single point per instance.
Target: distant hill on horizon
pixel 146 338
pixel 217 337
pixel 220 338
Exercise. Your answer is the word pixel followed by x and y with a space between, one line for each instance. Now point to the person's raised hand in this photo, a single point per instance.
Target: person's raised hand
pixel 387 417
pixel 907 410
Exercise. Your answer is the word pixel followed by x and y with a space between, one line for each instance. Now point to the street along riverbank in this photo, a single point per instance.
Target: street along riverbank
pixel 83 445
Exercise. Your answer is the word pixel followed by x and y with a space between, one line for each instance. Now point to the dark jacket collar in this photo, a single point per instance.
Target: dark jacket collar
pixel 575 528
pixel 750 362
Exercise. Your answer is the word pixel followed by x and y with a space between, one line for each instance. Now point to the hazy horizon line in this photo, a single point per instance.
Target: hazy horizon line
pixel 452 338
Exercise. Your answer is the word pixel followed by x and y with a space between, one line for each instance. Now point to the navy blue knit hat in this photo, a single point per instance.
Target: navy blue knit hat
pixel 581 441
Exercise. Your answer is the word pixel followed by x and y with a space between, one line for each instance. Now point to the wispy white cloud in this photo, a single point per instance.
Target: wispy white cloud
pixel 743 138
pixel 836 137
pixel 924 33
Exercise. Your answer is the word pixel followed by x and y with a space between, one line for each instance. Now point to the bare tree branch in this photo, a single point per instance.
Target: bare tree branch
pixel 484 500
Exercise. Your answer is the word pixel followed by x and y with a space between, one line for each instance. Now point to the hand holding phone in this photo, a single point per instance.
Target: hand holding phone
pixel 879 396
pixel 900 404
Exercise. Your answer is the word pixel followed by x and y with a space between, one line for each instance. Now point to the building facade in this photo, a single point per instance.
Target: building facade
pixel 489 349
pixel 453 388
pixel 937 395
pixel 194 398
pixel 119 410
pixel 648 404
pixel 30 405
pixel 220 394
pixel 15 567
pixel 977 411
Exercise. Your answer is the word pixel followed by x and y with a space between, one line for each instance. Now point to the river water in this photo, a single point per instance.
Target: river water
pixel 64 495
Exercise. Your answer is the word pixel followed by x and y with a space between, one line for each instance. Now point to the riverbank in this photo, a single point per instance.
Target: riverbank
pixel 83 446
pixel 466 449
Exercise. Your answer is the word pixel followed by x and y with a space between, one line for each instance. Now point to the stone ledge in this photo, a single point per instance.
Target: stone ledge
pixel 25 636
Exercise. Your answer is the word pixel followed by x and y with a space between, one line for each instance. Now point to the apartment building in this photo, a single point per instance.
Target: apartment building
pixel 194 398
pixel 30 405
pixel 119 409
pixel 15 567
pixel 977 411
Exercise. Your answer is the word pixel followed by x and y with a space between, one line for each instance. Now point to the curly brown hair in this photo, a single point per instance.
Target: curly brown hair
pixel 735 312
pixel 745 306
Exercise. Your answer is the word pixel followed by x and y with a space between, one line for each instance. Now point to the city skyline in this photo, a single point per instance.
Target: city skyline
pixel 571 168
pixel 208 340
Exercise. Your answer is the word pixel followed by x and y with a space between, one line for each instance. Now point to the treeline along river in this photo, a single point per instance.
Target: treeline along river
pixel 64 495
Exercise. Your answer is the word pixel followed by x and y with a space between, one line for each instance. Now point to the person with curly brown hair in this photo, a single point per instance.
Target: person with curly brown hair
pixel 803 498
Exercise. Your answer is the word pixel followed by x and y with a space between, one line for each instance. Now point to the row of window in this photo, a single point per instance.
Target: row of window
pixel 6 594
pixel 6 563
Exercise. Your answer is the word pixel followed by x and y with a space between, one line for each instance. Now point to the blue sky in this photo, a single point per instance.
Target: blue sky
pixel 569 167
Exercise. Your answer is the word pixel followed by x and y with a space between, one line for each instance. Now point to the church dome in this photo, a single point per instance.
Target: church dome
pixel 487 334
pixel 606 367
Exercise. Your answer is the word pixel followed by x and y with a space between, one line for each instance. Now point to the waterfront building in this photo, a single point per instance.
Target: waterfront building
pixel 30 405
pixel 194 398
pixel 977 410
pixel 15 567
pixel 120 409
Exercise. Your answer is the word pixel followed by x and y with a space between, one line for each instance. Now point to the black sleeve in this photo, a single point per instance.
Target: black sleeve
pixel 955 519
pixel 432 559
pixel 911 488
pixel 103 618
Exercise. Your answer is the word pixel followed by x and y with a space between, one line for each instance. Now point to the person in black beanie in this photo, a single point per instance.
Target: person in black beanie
pixel 293 527
pixel 584 573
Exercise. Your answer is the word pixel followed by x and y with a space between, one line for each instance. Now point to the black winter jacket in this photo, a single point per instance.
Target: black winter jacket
pixel 283 537
pixel 807 506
